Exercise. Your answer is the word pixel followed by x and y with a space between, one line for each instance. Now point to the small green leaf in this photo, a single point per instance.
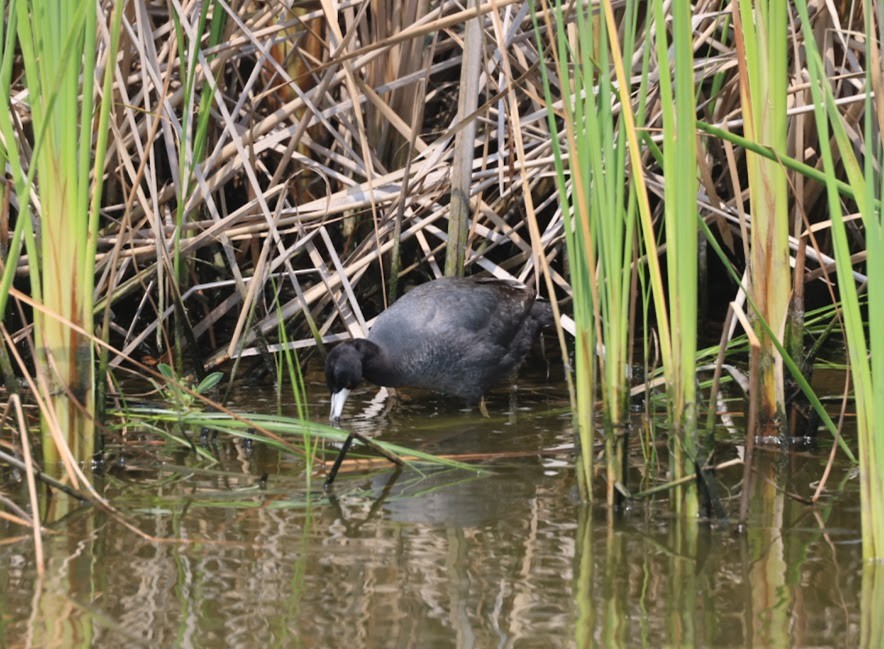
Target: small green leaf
pixel 209 382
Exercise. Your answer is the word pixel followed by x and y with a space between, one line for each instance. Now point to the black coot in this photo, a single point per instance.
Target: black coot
pixel 454 335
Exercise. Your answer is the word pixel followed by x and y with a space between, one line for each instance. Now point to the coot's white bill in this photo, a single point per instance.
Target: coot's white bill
pixel 337 403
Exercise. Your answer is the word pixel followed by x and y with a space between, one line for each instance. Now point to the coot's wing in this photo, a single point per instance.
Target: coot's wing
pixel 454 311
pixel 455 335
pixel 508 304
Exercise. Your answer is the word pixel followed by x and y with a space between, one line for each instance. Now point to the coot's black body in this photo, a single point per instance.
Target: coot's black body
pixel 454 335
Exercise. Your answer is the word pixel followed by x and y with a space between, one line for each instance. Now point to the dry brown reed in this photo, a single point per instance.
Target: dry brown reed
pixel 330 144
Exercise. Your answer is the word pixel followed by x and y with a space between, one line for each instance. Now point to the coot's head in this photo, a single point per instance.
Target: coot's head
pixel 343 372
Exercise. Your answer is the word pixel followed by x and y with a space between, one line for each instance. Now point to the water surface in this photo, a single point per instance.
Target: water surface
pixel 440 558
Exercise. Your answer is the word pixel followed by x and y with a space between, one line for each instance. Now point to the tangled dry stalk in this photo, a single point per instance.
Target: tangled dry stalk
pixel 328 143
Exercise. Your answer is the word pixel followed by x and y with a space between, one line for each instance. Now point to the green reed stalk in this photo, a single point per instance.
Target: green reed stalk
pixel 58 46
pixel 194 132
pixel 573 192
pixel 613 223
pixel 871 605
pixel 288 364
pixel 676 315
pixel 867 182
pixel 761 35
pixel 611 226
pixel 653 275
pixel 600 220
pixel 678 101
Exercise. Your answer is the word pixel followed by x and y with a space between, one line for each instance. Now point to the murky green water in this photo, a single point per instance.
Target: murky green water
pixel 443 559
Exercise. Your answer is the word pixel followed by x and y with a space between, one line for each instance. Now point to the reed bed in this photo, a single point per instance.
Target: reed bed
pixel 273 177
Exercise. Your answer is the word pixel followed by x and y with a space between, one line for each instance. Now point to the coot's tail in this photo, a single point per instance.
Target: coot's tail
pixel 539 317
